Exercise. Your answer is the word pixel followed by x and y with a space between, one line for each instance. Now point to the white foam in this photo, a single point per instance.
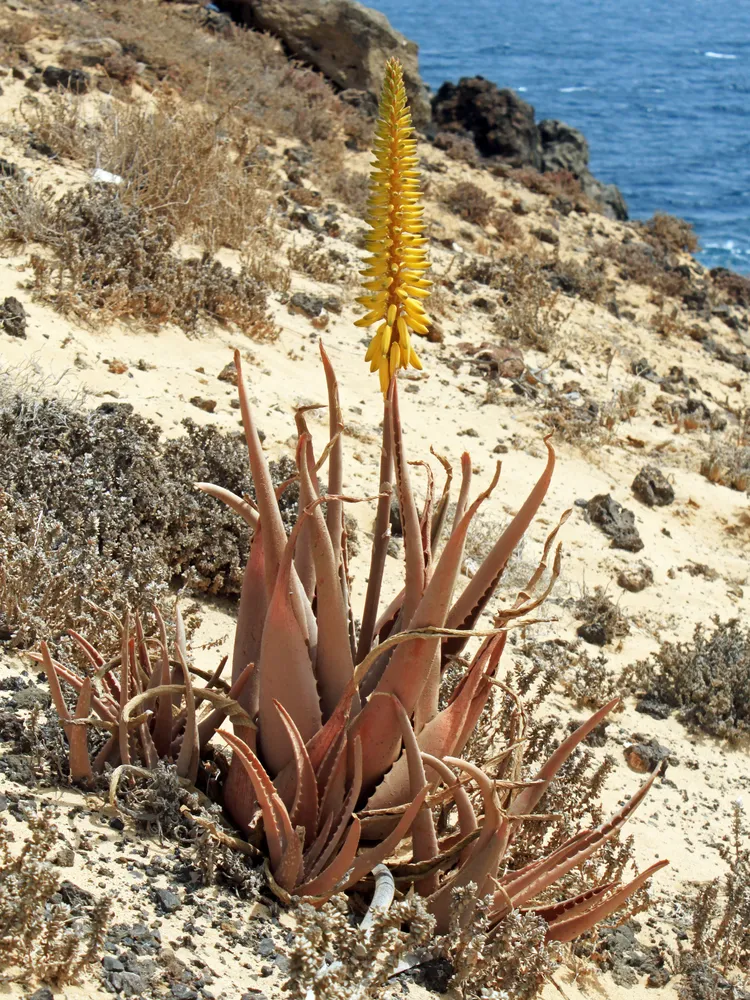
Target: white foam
pixel 718 55
pixel 572 90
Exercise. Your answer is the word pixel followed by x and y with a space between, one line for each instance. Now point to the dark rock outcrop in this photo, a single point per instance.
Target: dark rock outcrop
pixel 348 42
pixel 615 521
pixel 499 122
pixel 502 125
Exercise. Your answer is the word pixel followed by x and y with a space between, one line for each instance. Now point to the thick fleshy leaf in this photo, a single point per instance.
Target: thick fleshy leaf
pixel 536 878
pixel 576 923
pixel 333 665
pixel 80 763
pixel 330 880
pixel 304 811
pixel 483 862
pixel 481 587
pixel 286 671
pixel 251 615
pixel 381 536
pixel 527 800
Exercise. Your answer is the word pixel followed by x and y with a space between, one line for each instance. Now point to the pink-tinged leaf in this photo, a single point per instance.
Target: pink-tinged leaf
pixel 467 820
pixel 573 925
pixel 270 804
pixel 247 512
pixel 483 861
pixel 572 906
pixel 480 588
pixel 54 684
pixel 286 671
pixel 162 731
pixel 413 551
pixel 381 536
pixel 376 855
pixel 424 839
pixel 441 511
pixel 250 618
pixel 527 800
pixel 94 656
pixel 323 851
pixel 333 665
pixel 410 666
pixel 536 878
pixel 104 709
pixel 208 725
pixel 268 509
pixel 333 792
pixel 304 811
pixel 127 688
pixel 329 881
pixel 189 758
pixel 80 763
pixel 109 754
pixel 335 510
pixel 463 493
pixel 303 556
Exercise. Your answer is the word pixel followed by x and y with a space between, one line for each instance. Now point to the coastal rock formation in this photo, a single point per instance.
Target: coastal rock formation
pixel 565 148
pixel 499 122
pixel 345 40
pixel 502 125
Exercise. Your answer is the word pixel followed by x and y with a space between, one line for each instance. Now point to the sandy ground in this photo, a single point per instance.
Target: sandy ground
pixel 688 812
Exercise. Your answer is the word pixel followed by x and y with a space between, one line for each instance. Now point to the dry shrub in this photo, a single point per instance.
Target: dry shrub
pixel 104 259
pixel 731 287
pixel 508 229
pixel 720 944
pixel 352 187
pixel 728 462
pixel 646 264
pixel 319 262
pixel 590 683
pixel 94 503
pixel 584 281
pixel 458 147
pixel 468 201
pixel 531 316
pixel 707 680
pixel 603 619
pixel 333 959
pixel 670 233
pixel 178 163
pixel 41 938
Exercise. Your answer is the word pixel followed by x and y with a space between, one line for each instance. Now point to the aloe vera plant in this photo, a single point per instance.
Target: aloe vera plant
pixel 340 749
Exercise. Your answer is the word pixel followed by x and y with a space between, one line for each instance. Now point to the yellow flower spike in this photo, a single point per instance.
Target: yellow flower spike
pixel 394 270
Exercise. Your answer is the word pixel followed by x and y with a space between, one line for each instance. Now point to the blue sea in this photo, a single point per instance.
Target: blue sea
pixel 661 90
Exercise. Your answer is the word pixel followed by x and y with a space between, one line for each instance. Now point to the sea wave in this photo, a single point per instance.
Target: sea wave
pixel 571 90
pixel 719 55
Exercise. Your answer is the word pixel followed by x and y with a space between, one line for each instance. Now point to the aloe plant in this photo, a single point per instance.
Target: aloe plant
pixel 340 750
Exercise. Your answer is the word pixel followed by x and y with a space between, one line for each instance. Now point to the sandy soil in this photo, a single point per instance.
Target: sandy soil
pixel 687 812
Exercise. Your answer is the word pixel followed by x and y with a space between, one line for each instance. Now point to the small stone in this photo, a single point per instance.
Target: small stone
pixel 45 993
pixel 635 578
pixel 116 823
pixel 653 707
pixel 112 964
pixel 209 405
pixel 593 632
pixel 167 900
pixel 91 51
pixel 12 313
pixel 18 73
pixel 308 305
pixel 34 83
pixel 228 374
pixel 266 947
pixel 643 757
pixel 652 487
pixel 333 304
pixel 75 80
pixel 546 236
pixel 131 984
pixel 615 521
pixel 117 367
pixel 320 322
pixel 485 305
pixel 181 992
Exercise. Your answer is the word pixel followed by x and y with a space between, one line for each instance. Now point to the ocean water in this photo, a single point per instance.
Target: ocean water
pixel 660 88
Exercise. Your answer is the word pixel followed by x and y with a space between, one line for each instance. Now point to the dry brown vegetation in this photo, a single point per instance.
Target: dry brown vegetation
pixel 41 938
pixel 470 202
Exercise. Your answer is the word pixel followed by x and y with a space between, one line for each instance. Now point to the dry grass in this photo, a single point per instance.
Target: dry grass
pixel 728 461
pixel 670 233
pixel 532 316
pixel 646 263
